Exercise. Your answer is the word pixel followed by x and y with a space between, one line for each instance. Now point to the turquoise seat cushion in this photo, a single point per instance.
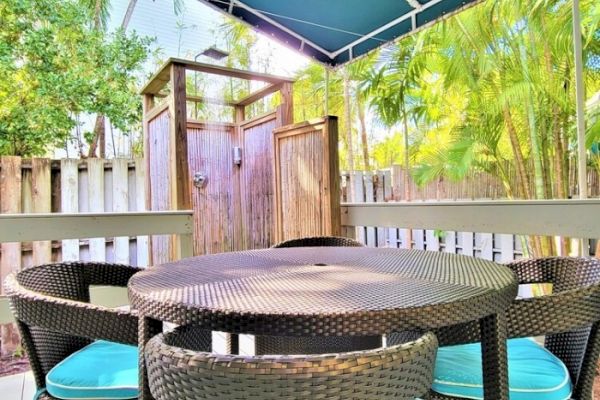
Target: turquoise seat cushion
pixel 533 372
pixel 101 370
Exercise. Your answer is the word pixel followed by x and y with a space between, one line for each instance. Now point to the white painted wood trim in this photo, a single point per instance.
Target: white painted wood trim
pixel 573 218
pixel 55 226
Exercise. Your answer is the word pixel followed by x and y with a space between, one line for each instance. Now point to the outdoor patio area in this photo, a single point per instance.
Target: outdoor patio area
pixel 301 199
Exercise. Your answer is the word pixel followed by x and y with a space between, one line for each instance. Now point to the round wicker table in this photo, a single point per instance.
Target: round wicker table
pixel 329 291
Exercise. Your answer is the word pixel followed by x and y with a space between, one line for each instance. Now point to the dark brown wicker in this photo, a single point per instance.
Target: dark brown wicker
pixel 51 305
pixel 315 345
pixel 569 317
pixel 333 291
pixel 319 241
pixel 181 367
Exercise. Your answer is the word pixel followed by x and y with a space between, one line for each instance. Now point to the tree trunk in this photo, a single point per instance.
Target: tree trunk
pixel 522 180
pixel 363 132
pixel 99 129
pixel 348 122
pixel 407 192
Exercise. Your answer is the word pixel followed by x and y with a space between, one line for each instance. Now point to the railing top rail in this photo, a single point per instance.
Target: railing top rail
pixel 58 226
pixel 471 203
pixel 571 218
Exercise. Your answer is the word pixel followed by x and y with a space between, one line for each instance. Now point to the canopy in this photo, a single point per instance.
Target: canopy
pixel 338 31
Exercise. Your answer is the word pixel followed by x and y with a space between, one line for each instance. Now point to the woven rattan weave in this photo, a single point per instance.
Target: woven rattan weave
pixel 569 317
pixel 319 241
pixel 322 344
pixel 333 291
pixel 181 369
pixel 51 306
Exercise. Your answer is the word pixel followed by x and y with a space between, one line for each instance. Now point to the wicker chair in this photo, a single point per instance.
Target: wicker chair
pixel 51 305
pixel 319 241
pixel 569 317
pixel 181 367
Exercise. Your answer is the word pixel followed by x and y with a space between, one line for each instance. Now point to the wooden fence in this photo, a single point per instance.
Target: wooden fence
pixel 41 185
pixel 475 185
pixel 388 186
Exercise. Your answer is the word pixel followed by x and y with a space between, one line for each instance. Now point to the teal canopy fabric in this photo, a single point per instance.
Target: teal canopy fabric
pixel 338 31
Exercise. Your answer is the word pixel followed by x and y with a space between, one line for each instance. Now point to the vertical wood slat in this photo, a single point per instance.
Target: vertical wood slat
pixel 507 248
pixel 95 167
pixel 142 250
pixel 467 243
pixel 418 238
pixel 369 198
pixel 392 233
pixel 486 245
pixel 380 198
pixel 431 240
pixel 120 203
pixel 450 242
pixel 10 203
pixel 69 190
pixel 239 242
pixel 358 196
pixel 42 203
pixel 179 169
pixel 331 184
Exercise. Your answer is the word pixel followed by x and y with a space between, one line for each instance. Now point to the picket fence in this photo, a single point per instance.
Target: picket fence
pixel 72 186
pixel 388 185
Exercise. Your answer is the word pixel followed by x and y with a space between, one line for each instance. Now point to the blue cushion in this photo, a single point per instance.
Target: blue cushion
pixel 533 372
pixel 101 370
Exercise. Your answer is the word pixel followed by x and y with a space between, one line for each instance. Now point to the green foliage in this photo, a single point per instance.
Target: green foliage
pixel 54 65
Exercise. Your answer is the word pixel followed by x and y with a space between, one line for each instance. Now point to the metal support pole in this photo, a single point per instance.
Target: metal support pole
pixel 326 91
pixel 580 104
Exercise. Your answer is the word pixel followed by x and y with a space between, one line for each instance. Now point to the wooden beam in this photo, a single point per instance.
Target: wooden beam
pixel 238 140
pixel 158 81
pixel 59 226
pixel 210 100
pixel 286 108
pixel 179 177
pixel 259 94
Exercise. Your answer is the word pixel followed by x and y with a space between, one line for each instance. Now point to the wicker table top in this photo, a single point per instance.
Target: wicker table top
pixel 323 291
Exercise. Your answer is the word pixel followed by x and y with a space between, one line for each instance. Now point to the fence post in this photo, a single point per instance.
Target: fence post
pixel 369 198
pixel 467 243
pixel 507 247
pixel 358 196
pixel 10 203
pixel 96 204
pixel 120 203
pixel 450 242
pixel 486 245
pixel 41 196
pixel 69 203
pixel 142 247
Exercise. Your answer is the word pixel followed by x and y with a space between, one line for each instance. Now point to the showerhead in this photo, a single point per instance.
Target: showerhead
pixel 214 53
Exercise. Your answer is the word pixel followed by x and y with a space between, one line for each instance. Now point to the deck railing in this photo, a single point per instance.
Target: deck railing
pixel 569 218
pixel 494 230
pixel 55 226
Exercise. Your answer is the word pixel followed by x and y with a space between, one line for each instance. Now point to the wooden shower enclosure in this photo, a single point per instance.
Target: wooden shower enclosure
pixel 251 182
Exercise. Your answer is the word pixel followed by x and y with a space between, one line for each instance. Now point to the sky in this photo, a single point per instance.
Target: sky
pixel 194 30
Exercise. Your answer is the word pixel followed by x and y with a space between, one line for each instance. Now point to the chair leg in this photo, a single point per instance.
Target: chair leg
pixel 585 381
pixel 147 328
pixel 494 357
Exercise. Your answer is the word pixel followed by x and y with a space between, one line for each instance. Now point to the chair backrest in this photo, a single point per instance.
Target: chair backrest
pixel 51 305
pixel 400 372
pixel 319 241
pixel 568 317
